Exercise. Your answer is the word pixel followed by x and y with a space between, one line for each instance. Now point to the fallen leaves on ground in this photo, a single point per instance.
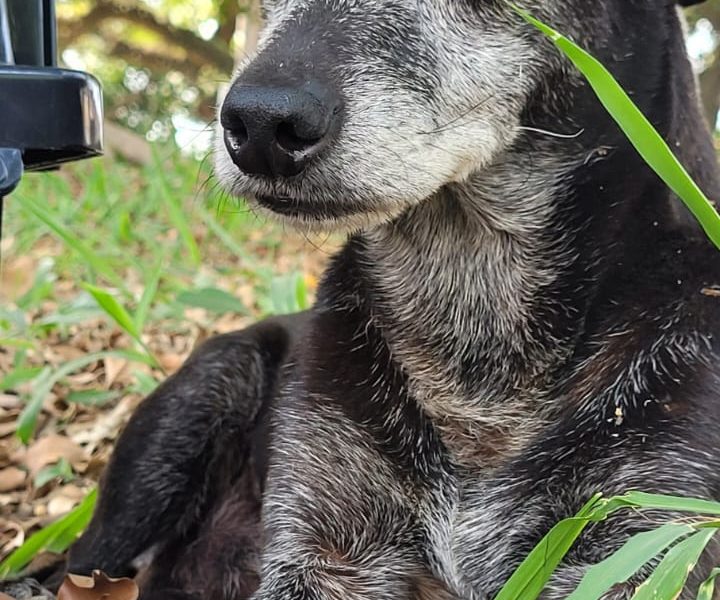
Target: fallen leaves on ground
pixel 97 587
pixel 83 414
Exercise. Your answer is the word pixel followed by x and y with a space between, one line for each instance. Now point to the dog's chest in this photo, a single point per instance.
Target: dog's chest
pixel 481 434
pixel 468 535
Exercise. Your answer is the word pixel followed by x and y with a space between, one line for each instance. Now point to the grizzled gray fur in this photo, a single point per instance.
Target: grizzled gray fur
pixel 522 315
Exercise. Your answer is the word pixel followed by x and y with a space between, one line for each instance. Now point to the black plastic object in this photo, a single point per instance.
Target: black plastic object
pixel 11 170
pixel 51 115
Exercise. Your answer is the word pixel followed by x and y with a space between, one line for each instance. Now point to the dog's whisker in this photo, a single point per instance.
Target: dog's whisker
pixel 564 136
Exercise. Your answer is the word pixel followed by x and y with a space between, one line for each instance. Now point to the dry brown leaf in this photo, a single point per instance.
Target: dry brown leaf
pixel 4 596
pixel 17 277
pixel 82 379
pixel 10 401
pixel 196 315
pixel 171 362
pixel 97 463
pixel 12 535
pixel 107 425
pixel 11 478
pixel 114 366
pixel 7 428
pixel 97 587
pixel 67 352
pixel 49 450
pixel 60 505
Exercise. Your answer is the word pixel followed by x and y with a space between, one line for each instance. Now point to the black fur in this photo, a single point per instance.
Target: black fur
pixel 186 475
pixel 612 381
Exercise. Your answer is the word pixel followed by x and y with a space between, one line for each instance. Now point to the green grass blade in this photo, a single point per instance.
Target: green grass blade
pixel 643 136
pixel 707 588
pixel 56 536
pixel 151 287
pixel 91 397
pixel 44 383
pixel 629 559
pixel 529 579
pixel 18 376
pixel 120 315
pixel 62 470
pixel 91 259
pixel 673 503
pixel 668 579
pixel 288 294
pixel 216 228
pixel 9 342
pixel 176 212
pixel 212 299
pixel 27 420
pixel 114 310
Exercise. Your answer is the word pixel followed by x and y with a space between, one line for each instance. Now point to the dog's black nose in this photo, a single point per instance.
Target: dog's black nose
pixel 275 131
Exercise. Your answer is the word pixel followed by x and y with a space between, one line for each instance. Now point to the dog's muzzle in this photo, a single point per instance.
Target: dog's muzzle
pixel 275 131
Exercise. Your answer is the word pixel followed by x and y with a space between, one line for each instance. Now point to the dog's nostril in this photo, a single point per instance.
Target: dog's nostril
pixel 289 140
pixel 236 136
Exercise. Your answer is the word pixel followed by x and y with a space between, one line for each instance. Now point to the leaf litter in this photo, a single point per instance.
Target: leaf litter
pixel 83 413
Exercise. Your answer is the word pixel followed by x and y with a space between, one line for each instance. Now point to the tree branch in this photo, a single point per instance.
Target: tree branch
pixel 710 92
pixel 156 62
pixel 199 51
pixel 710 78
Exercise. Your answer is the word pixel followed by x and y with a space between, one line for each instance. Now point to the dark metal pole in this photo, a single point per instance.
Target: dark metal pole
pixel 11 170
pixel 27 26
pixel 6 51
pixel 11 165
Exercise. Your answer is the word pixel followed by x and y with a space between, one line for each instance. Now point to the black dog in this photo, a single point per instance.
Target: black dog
pixel 522 316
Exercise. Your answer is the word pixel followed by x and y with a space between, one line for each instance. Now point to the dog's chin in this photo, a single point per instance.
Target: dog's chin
pixel 286 207
pixel 319 215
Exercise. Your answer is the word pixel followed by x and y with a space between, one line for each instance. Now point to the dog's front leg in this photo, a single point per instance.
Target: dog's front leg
pixel 343 554
pixel 332 582
pixel 339 524
pixel 183 446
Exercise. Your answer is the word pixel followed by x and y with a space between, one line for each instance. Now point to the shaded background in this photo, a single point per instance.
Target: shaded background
pixel 163 61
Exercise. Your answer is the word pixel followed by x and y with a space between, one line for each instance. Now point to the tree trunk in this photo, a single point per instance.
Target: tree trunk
pixel 710 78
pixel 249 24
pixel 710 92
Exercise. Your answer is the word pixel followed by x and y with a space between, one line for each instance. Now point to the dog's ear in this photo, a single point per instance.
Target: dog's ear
pixel 689 2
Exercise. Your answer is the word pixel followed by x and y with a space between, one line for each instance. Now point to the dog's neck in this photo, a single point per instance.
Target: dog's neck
pixel 484 290
pixel 460 283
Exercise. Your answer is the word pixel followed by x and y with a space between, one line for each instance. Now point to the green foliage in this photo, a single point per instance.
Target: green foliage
pixel 668 578
pixel 131 239
pixel 666 581
pixel 62 469
pixel 212 299
pixel 46 380
pixel 139 51
pixel 707 588
pixel 56 537
pixel 629 559
pixel 288 294
pixel 118 313
pixel 641 133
